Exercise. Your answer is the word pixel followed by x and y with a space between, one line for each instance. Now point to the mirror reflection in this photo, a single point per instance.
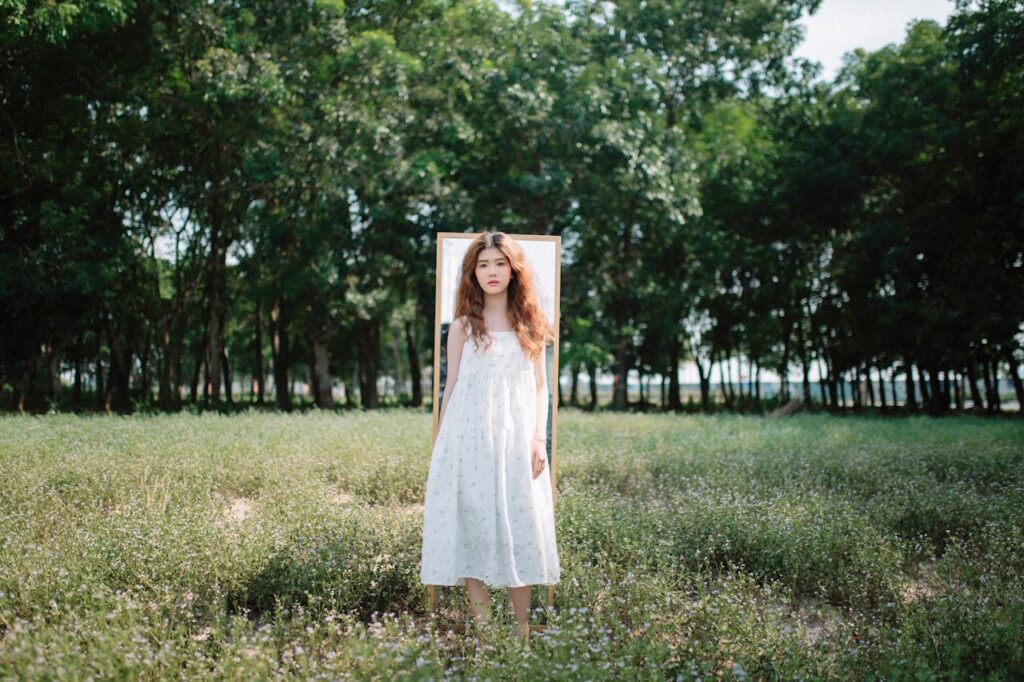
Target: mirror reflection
pixel 543 252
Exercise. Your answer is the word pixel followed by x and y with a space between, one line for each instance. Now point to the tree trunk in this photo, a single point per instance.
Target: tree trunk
pixel 832 400
pixel 922 382
pixel 757 380
pixel 198 361
pixel 280 350
pixel 258 353
pixel 936 392
pixel 620 381
pixel 17 395
pixel 350 388
pixel 753 382
pixel 592 371
pixel 704 377
pixel 172 343
pixel 1018 385
pixel 29 388
pixel 739 376
pixel 76 391
pixel 727 367
pixel 217 302
pixel 206 376
pixel 642 398
pixel 881 390
pixel 558 394
pixel 413 357
pixel 977 403
pixel 995 385
pixel 314 380
pixel 822 380
pixel 399 382
pixel 120 367
pixel 226 367
pixel 721 378
pixel 805 382
pixel 805 365
pixel 784 369
pixel 322 375
pixel 53 372
pixel 100 384
pixel 674 401
pixel 620 394
pixel 908 366
pixel 145 369
pixel 574 385
pixel 990 394
pixel 213 352
pixel 368 339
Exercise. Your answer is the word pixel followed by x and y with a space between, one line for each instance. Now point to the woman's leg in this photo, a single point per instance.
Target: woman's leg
pixel 520 597
pixel 479 600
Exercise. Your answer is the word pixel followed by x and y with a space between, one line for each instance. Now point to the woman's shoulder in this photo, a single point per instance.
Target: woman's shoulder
pixel 461 324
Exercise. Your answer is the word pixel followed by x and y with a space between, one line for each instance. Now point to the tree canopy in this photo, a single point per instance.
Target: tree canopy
pixel 199 196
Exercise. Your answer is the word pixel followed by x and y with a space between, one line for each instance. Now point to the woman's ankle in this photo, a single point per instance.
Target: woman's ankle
pixel 523 631
pixel 482 614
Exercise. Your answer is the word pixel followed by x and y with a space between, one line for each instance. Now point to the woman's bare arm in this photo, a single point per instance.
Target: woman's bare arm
pixel 456 342
pixel 540 373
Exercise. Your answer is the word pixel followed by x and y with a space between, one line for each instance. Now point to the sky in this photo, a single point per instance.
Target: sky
pixel 840 26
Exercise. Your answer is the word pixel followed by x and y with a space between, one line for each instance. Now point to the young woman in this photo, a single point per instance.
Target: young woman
pixel 488 518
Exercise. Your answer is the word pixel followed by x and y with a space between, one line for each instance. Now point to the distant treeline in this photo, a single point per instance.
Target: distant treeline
pixel 198 193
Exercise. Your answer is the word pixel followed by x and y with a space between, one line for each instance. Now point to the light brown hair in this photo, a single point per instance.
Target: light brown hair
pixel 528 319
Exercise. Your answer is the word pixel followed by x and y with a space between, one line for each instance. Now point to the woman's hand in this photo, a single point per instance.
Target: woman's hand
pixel 539 456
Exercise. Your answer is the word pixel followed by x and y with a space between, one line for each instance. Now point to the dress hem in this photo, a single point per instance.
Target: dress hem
pixel 495 586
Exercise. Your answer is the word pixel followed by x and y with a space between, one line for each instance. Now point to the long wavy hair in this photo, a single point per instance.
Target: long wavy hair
pixel 528 320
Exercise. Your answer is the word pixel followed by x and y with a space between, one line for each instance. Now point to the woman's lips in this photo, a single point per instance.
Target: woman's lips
pixel 493 281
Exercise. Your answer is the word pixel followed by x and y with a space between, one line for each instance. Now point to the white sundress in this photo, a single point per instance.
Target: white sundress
pixel 484 515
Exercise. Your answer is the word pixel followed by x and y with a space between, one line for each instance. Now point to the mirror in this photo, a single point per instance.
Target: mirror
pixel 544 254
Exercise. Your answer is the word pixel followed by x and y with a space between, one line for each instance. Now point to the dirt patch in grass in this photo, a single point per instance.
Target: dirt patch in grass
pixel 237 510
pixel 813 621
pixel 337 496
pixel 809 618
pixel 922 585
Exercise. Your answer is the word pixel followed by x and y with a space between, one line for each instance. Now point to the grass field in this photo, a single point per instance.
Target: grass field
pixel 725 547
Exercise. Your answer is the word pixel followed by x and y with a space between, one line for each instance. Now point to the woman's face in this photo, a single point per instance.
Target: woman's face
pixel 493 271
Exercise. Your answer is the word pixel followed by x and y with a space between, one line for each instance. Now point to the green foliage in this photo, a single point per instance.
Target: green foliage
pixel 191 184
pixel 58 22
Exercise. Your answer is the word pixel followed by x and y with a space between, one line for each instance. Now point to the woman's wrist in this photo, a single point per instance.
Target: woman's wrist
pixel 542 439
